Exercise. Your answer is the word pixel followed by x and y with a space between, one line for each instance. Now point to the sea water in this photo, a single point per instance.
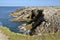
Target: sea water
pixel 4 17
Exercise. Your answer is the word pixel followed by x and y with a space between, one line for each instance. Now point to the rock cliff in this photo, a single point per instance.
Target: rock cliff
pixel 51 15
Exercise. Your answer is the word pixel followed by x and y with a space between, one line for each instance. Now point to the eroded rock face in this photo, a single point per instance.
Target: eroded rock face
pixel 51 15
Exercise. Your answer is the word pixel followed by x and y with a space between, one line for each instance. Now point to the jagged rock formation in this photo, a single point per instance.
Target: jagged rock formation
pixel 51 15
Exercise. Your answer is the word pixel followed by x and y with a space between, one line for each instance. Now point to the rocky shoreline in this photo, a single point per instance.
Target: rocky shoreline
pixel 51 15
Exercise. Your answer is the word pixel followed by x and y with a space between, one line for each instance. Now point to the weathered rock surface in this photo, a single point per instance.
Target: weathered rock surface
pixel 51 15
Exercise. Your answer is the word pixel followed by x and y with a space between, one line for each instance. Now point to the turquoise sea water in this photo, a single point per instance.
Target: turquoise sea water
pixel 4 18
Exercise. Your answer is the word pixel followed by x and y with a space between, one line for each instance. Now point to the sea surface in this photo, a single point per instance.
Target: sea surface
pixel 5 18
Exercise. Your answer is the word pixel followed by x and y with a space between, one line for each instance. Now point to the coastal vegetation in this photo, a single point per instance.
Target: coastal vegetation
pixel 18 36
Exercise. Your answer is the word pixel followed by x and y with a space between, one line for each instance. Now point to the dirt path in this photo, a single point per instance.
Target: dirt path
pixel 3 36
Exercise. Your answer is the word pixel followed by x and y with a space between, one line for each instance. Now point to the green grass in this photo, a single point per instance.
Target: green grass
pixel 17 36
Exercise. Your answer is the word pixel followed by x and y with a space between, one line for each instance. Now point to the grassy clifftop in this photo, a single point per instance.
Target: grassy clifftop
pixel 17 36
